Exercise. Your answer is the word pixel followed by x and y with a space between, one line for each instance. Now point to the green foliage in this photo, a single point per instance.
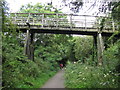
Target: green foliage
pixel 79 75
pixel 111 57
pixel 84 76
pixel 116 10
pixel 38 8
pixel 82 47
pixel 52 47
pixel 50 11
pixel 18 70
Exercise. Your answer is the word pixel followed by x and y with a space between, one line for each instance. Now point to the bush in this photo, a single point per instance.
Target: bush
pixel 18 71
pixel 111 57
pixel 84 76
pixel 78 75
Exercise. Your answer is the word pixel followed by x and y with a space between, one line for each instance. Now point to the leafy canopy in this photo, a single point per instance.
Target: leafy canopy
pixel 38 8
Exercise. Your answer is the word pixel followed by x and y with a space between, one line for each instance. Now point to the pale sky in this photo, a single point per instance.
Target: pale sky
pixel 16 4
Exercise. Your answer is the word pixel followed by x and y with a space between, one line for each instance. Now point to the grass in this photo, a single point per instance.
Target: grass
pixel 31 82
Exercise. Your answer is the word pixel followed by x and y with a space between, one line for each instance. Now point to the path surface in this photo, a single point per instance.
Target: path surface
pixel 56 81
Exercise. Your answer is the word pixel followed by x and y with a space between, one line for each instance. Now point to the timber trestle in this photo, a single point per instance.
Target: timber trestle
pixel 32 23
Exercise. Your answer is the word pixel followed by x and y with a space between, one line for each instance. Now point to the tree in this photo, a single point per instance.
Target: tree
pixel 74 5
pixel 82 48
pixel 17 69
pixel 38 8
pixel 48 46
pixel 116 11
pixel 104 6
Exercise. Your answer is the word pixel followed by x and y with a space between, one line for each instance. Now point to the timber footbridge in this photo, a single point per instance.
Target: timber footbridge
pixel 62 23
pixel 31 23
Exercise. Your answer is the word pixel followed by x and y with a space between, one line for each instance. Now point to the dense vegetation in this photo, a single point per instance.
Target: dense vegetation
pixel 82 70
pixel 79 75
pixel 87 75
pixel 18 70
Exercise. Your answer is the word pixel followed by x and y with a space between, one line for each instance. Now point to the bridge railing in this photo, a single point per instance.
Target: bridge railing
pixel 45 20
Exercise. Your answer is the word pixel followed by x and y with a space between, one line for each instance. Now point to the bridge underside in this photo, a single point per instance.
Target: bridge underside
pixel 31 23
pixel 98 41
pixel 66 31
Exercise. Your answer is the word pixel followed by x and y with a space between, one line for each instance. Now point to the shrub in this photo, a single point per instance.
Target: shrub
pixel 18 71
pixel 78 75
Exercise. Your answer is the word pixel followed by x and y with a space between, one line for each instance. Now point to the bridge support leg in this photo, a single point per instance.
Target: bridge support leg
pixel 94 49
pixel 32 47
pixel 28 47
pixel 100 47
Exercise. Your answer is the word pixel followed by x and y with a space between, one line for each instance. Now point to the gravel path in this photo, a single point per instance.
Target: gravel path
pixel 56 81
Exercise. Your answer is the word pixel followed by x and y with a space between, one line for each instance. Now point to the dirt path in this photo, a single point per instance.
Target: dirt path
pixel 56 81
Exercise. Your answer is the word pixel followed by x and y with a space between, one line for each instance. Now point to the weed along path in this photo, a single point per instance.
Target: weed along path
pixel 56 81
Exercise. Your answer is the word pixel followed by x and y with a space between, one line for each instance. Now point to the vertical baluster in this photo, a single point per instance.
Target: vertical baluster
pixel 57 21
pixel 42 20
pixel 28 19
pixel 33 20
pixel 99 25
pixel 25 20
pixel 15 18
pixel 70 21
pixel 85 23
pixel 22 20
pixel 113 25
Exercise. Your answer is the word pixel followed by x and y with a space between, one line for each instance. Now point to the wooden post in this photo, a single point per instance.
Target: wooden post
pixel 94 47
pixel 85 23
pixel 27 44
pixel 57 21
pixel 33 22
pixel 100 44
pixel 113 25
pixel 100 47
pixel 70 21
pixel 32 46
pixel 15 18
pixel 42 20
pixel 29 47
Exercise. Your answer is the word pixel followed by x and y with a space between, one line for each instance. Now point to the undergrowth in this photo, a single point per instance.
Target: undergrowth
pixel 79 75
pixel 20 72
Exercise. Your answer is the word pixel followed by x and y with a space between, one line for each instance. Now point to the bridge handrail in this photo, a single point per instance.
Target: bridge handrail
pixel 60 14
pixel 57 20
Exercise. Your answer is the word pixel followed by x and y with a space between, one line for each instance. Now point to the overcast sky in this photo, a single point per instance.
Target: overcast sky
pixel 16 4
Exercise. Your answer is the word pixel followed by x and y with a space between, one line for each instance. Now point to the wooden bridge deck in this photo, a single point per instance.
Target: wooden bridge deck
pixel 60 23
pixel 54 30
